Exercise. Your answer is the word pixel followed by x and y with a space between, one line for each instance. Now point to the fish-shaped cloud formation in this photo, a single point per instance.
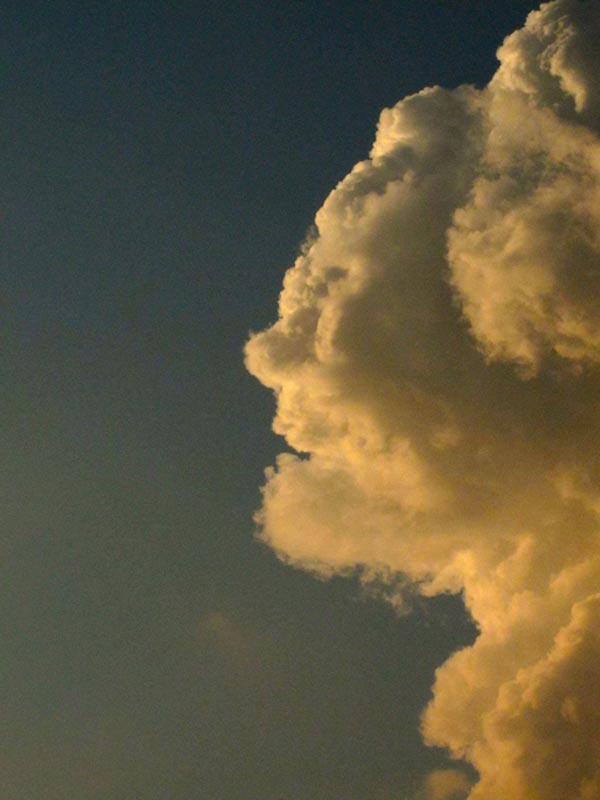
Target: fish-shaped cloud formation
pixel 436 364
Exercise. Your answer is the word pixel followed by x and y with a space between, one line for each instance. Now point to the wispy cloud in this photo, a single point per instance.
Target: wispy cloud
pixel 446 784
pixel 437 356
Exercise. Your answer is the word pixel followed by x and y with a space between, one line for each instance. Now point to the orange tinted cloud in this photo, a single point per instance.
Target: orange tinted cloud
pixel 436 359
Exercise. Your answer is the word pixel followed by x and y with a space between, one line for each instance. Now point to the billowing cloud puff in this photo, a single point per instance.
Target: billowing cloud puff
pixel 524 249
pixel 436 367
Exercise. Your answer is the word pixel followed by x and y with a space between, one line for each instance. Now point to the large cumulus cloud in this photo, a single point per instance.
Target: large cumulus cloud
pixel 436 367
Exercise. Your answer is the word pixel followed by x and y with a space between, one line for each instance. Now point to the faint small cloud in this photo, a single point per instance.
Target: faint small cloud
pixel 236 642
pixel 222 627
pixel 446 784
pixel 223 630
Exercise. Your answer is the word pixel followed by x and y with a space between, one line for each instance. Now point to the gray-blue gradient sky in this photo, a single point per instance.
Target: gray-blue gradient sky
pixel 161 162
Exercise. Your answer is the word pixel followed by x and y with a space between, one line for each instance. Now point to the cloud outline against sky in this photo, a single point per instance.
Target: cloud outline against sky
pixel 435 364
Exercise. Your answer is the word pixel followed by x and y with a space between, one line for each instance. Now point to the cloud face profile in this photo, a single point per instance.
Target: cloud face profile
pixel 436 364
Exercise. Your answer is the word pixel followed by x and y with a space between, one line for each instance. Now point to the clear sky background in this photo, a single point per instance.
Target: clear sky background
pixel 160 165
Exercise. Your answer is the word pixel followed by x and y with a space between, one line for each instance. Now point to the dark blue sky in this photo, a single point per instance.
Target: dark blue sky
pixel 161 162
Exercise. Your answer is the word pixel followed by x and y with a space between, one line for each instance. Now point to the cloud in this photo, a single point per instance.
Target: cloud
pixel 436 364
pixel 237 641
pixel 446 784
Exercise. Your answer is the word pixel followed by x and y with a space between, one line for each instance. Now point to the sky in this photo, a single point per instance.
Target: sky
pixel 167 630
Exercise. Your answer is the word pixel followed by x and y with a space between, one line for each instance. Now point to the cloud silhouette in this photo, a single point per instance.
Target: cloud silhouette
pixel 436 368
